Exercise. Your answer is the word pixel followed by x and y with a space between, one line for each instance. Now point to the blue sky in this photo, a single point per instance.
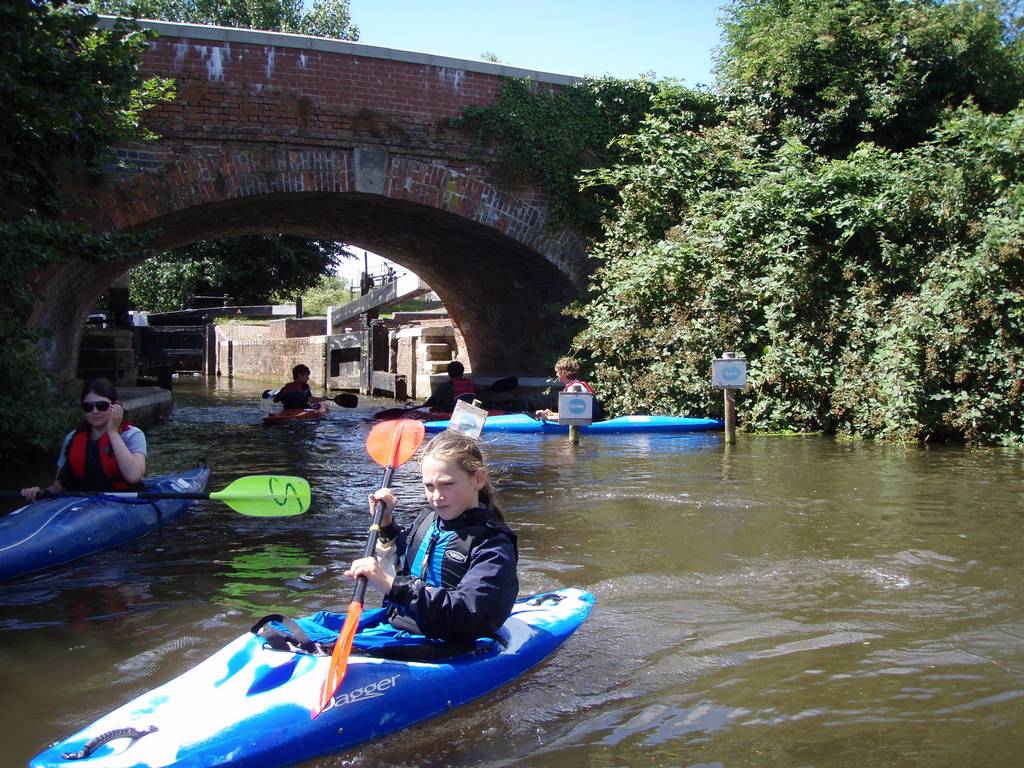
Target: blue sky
pixel 622 38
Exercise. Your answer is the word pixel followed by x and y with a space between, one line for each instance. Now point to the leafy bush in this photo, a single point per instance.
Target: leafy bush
pixel 878 295
pixel 845 211
pixel 547 135
pixel 69 92
pixel 331 291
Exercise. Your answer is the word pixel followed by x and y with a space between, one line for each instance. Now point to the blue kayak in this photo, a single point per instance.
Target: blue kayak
pixel 54 531
pixel 523 424
pixel 250 705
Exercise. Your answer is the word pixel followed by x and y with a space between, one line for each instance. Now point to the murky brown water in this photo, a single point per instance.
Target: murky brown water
pixel 788 601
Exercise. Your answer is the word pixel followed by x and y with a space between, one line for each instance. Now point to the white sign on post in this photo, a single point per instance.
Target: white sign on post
pixel 467 419
pixel 575 408
pixel 729 373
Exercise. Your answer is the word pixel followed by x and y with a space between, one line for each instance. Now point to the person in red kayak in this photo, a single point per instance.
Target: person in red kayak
pixel 105 452
pixel 296 394
pixel 451 575
pixel 568 372
pixel 458 387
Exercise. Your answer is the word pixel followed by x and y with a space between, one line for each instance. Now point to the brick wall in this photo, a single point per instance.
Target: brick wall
pixel 295 327
pixel 286 133
pixel 272 360
pixel 236 331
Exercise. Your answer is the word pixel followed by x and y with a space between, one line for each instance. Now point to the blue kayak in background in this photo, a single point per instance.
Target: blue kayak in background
pixel 54 531
pixel 521 423
pixel 251 705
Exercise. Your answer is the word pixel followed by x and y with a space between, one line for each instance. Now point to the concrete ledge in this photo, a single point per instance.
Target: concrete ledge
pixel 146 405
pixel 310 43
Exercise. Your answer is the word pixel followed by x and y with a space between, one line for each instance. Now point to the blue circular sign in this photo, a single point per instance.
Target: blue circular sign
pixel 731 372
pixel 577 406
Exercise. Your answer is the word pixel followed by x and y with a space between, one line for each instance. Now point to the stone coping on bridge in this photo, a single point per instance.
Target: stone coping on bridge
pixel 310 43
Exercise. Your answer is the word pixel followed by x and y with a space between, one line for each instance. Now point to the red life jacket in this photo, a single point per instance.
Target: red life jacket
pixel 108 461
pixel 582 383
pixel 294 396
pixel 463 386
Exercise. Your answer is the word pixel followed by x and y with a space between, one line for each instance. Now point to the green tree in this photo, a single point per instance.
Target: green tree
pixel 833 73
pixel 325 18
pixel 251 269
pixel 69 91
pixel 331 291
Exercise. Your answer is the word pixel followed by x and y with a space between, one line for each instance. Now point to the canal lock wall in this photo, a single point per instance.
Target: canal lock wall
pixel 400 361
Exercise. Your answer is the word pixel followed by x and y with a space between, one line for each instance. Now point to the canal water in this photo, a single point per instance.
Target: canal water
pixel 790 601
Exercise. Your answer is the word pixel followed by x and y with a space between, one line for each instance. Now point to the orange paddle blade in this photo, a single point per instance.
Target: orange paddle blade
pixel 392 443
pixel 339 659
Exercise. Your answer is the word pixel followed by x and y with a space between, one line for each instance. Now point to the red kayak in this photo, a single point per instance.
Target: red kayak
pixel 295 414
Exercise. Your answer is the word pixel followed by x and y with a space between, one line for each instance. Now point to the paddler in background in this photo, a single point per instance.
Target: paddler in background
pixel 567 369
pixel 105 452
pixel 296 394
pixel 451 575
pixel 458 387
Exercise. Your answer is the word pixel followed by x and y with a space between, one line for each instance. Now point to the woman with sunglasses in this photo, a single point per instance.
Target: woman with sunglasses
pixel 105 453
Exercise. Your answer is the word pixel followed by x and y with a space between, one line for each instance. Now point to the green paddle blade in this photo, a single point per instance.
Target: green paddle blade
pixel 266 495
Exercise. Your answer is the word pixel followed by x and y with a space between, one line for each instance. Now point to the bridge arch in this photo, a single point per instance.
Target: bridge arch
pixel 283 136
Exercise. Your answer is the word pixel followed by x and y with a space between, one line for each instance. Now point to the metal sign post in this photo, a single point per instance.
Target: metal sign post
pixel 729 373
pixel 577 410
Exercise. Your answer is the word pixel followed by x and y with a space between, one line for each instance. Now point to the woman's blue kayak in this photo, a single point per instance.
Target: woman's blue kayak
pixel 54 531
pixel 251 705
pixel 521 423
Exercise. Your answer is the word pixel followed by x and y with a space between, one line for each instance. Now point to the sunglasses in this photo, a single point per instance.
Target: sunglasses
pixel 99 405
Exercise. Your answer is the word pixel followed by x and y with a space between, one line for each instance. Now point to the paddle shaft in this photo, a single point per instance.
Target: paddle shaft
pixel 345 399
pixel 388 446
pixel 359 593
pixel 118 494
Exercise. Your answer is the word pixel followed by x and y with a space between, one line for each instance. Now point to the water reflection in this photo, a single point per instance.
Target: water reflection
pixel 251 573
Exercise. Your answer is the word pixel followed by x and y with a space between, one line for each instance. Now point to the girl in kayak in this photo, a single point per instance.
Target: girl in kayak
pixel 105 453
pixel 451 575
pixel 568 372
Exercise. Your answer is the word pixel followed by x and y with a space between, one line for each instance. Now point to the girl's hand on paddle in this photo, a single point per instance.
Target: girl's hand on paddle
pixel 385 495
pixel 370 569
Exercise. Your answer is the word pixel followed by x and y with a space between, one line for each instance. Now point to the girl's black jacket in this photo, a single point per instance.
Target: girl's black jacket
pixel 479 580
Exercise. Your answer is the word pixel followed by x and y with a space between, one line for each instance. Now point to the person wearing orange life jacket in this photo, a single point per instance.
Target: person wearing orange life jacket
pixel 105 453
pixel 568 372
pixel 458 387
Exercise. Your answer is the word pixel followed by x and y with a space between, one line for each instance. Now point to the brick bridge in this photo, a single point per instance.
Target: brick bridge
pixel 275 133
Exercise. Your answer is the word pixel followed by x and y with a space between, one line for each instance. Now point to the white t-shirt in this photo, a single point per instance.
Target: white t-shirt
pixel 133 437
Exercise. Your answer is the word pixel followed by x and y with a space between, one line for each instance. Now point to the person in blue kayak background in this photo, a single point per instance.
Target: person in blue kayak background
pixel 296 394
pixel 458 387
pixel 451 575
pixel 104 453
pixel 568 372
